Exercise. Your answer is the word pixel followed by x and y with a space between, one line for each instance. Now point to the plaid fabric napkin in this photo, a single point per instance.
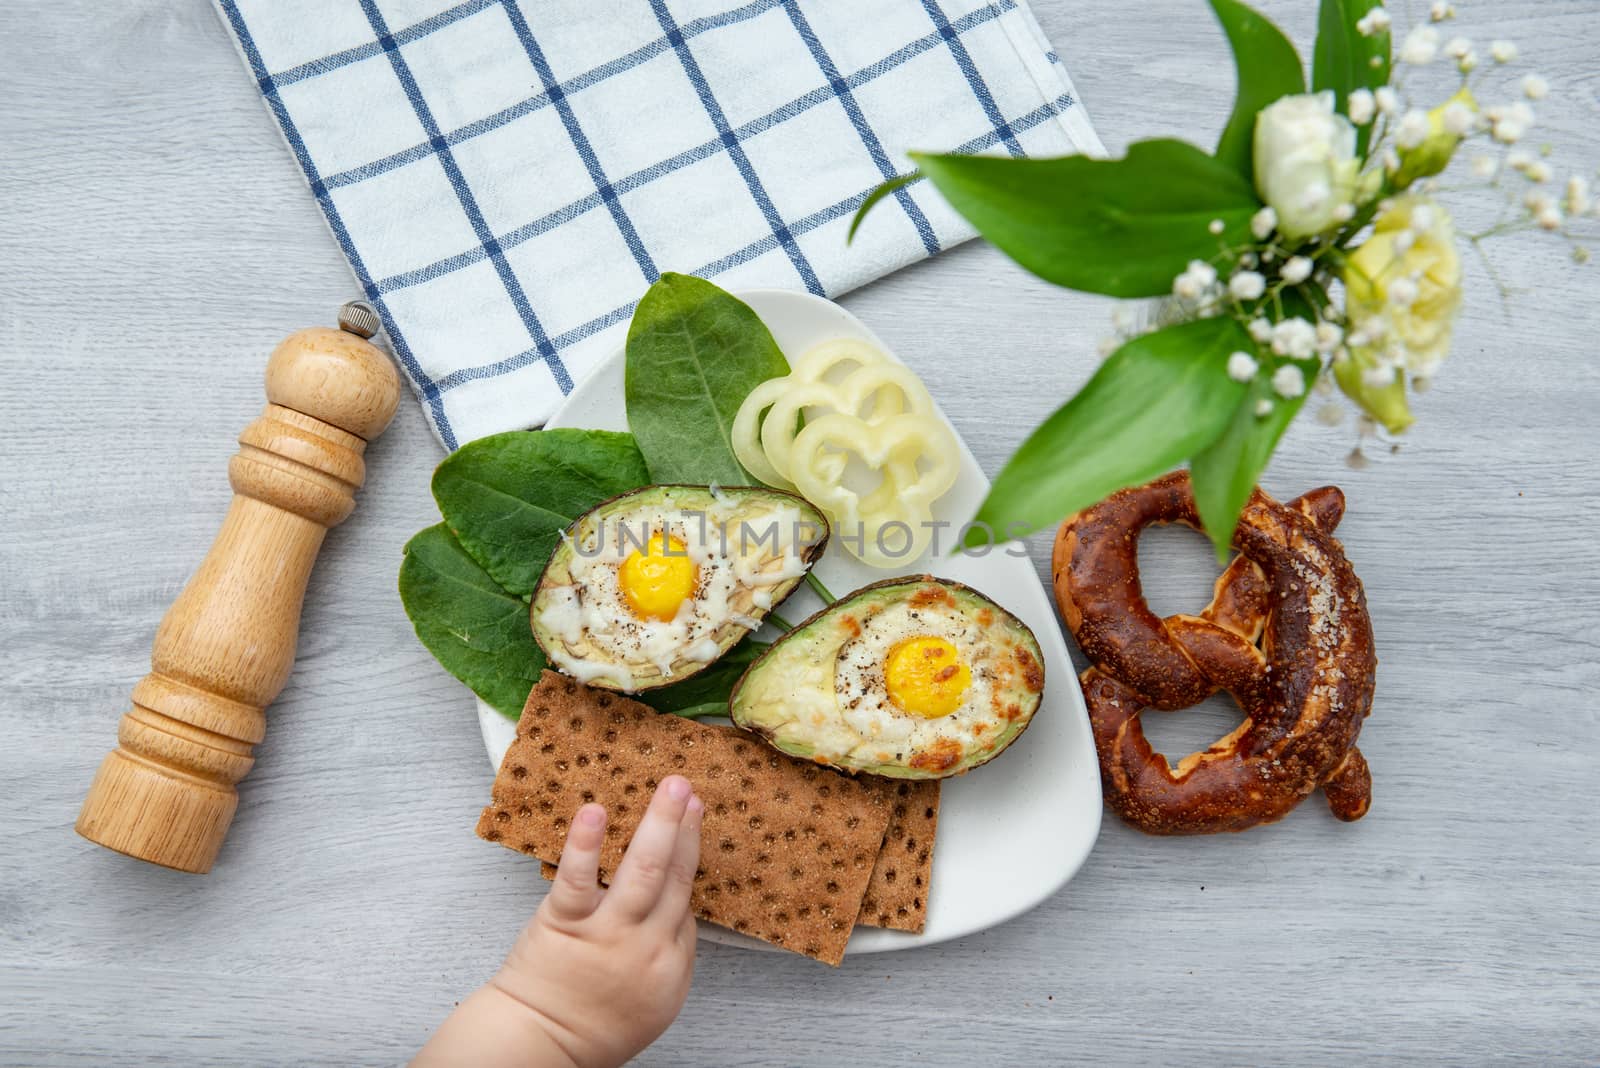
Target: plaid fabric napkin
pixel 507 177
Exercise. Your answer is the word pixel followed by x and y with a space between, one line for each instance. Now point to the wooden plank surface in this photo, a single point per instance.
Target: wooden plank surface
pixel 156 241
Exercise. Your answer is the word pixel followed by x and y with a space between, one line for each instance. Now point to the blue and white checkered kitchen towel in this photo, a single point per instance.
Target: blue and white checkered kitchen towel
pixel 507 177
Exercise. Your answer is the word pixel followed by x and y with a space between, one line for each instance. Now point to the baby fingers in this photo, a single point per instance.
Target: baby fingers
pixel 673 904
pixel 643 875
pixel 576 891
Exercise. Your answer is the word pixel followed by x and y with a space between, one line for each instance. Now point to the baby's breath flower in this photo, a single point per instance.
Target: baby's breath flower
pixel 1373 22
pixel 1538 171
pixel 1485 167
pixel 1294 337
pixel 1260 330
pixel 1535 87
pixel 1458 118
pixel 1503 51
pixel 1247 285
pixel 1264 406
pixel 1519 160
pixel 1391 159
pixel 1372 330
pixel 1387 99
pixel 1217 226
pixel 1517 111
pixel 1289 381
pixel 1457 47
pixel 1578 198
pixel 1549 218
pixel 1242 367
pixel 1296 270
pixel 1361 106
pixel 1344 213
pixel 1378 375
pixel 1420 47
pixel 1402 291
pixel 1468 62
pixel 1263 222
pixel 1193 283
pixel 1413 129
pixel 1329 337
pixel 1441 10
pixel 1403 241
pixel 1507 130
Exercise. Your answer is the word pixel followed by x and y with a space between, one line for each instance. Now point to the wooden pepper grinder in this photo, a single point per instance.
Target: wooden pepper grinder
pixel 166 793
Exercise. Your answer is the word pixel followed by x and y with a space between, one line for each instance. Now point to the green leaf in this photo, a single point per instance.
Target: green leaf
pixel 1225 472
pixel 874 197
pixel 479 633
pixel 694 354
pixel 1268 68
pixel 710 708
pixel 1343 61
pixel 507 497
pixel 1124 227
pixel 706 694
pixel 1158 400
pixel 475 629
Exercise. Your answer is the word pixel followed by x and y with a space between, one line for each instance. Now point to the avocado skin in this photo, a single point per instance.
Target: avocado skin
pixel 781 592
pixel 884 590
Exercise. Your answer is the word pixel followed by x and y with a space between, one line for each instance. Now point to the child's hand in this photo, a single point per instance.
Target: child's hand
pixel 598 974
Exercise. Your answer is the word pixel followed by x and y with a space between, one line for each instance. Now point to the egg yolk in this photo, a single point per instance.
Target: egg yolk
pixel 658 579
pixel 926 677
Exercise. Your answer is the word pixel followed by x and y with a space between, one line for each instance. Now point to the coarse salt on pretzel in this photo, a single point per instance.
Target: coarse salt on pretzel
pixel 1286 634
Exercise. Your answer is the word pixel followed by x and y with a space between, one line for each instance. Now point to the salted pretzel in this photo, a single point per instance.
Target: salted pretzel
pixel 1286 634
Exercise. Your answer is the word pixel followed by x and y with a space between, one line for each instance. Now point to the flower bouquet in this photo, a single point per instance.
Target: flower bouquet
pixel 1308 250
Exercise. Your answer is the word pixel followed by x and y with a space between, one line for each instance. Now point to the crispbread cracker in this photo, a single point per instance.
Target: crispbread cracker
pixel 897 894
pixel 787 847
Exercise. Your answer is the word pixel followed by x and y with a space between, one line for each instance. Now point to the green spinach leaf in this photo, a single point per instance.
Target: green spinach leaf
pixel 507 497
pixel 1345 60
pixel 694 354
pixel 475 629
pixel 1268 67
pixel 1158 400
pixel 706 694
pixel 1122 227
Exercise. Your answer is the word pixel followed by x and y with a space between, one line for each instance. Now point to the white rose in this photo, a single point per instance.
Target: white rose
pixel 1306 166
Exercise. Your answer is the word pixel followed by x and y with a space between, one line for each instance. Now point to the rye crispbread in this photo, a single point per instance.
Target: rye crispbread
pixel 787 849
pixel 897 894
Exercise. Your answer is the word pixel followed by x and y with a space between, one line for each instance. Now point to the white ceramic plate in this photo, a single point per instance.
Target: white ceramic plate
pixel 1012 832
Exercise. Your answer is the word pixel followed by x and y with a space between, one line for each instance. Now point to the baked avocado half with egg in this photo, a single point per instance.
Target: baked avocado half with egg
pixel 655 585
pixel 911 678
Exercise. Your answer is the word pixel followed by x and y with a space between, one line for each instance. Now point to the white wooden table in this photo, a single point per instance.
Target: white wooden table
pixel 156 241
